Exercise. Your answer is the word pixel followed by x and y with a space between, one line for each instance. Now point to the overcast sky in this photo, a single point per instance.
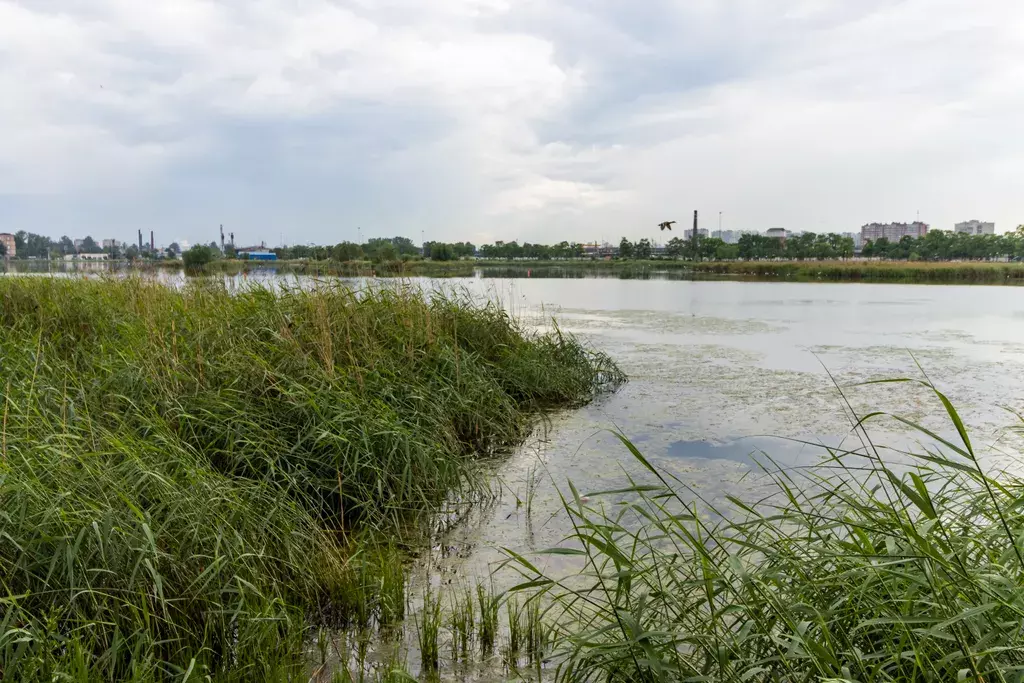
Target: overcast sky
pixel 536 120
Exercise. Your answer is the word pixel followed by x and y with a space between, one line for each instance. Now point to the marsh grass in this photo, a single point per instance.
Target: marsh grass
pixel 860 569
pixel 461 624
pixel 882 271
pixel 488 607
pixel 428 632
pixel 192 480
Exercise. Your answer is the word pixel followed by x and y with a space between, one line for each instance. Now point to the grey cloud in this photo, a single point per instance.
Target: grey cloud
pixel 477 118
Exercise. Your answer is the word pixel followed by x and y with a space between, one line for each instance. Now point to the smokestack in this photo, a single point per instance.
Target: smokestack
pixel 152 242
pixel 140 240
pixel 696 249
pixel 222 237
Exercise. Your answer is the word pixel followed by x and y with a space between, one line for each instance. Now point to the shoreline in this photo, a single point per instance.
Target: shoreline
pixel 935 272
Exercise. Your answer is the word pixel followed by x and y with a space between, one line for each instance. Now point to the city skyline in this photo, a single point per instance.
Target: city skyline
pixel 893 231
pixel 484 119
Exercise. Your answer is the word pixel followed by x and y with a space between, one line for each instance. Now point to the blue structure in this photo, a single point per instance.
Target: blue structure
pixel 262 256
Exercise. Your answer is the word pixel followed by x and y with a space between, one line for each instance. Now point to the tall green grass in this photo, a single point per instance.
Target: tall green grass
pixel 190 478
pixel 866 568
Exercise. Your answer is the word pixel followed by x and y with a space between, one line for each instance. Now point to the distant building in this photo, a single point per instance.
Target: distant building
pixel 111 244
pixel 855 236
pixel 777 233
pixel 701 233
pixel 261 255
pixel 976 228
pixel 893 232
pixel 10 246
pixel 78 245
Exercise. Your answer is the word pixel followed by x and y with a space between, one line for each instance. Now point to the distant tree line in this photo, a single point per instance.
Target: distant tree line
pixel 31 245
pixel 377 249
pixel 936 245
pixel 444 251
pixel 942 245
pixel 539 252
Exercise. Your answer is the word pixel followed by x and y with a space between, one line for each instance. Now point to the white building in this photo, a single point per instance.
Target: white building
pixel 893 232
pixel 111 244
pixel 973 227
pixel 86 257
pixel 778 233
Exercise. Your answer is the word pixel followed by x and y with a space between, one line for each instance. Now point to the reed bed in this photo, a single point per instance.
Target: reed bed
pixel 881 271
pixel 190 480
pixel 861 569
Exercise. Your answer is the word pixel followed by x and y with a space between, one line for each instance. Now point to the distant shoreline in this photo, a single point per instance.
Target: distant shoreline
pixel 960 272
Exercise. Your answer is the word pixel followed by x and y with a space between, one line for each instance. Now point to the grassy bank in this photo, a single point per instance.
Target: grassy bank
pixel 877 271
pixel 840 271
pixel 856 570
pixel 190 480
pixel 978 272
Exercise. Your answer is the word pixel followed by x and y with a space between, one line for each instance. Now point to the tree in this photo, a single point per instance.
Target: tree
pixel 198 256
pixel 625 248
pixel 346 251
pixel 175 247
pixel 708 248
pixel 642 249
pixel 386 252
pixel 464 249
pixel 675 247
pixel 132 253
pixel 727 252
pixel 66 245
pixel 439 251
pixel 89 246
pixel 3 249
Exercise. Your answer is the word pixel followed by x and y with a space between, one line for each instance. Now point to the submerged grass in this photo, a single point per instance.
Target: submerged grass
pixel 860 569
pixel 190 478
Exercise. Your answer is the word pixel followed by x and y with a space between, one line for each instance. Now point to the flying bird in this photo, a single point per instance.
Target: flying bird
pixel 667 225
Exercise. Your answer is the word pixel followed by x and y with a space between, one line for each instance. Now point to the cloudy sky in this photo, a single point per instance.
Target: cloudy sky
pixel 536 120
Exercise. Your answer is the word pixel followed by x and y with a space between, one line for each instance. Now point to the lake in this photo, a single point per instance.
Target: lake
pixel 722 371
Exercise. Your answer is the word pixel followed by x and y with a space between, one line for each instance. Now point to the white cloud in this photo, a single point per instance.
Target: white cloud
pixel 547 120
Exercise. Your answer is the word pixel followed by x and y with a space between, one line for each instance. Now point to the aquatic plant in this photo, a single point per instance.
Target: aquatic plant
pixel 191 480
pixel 868 567
pixel 488 606
pixel 428 632
pixel 461 618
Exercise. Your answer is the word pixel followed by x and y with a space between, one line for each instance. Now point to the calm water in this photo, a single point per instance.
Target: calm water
pixel 719 370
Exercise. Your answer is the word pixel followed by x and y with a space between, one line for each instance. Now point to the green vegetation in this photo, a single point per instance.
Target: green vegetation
pixel 874 566
pixel 441 251
pixel 192 480
pixel 199 256
pixel 881 271
pixel 941 245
